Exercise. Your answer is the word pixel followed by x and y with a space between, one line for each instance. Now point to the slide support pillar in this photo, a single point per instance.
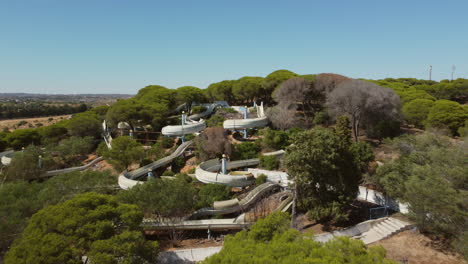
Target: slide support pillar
pixel 224 165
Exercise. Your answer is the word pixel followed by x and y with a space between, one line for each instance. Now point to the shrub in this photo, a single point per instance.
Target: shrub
pixel 167 142
pixel 269 162
pixel 262 178
pixel 168 173
pixel 212 192
pixel 198 109
pixel 215 121
pixel 247 150
pixel 273 139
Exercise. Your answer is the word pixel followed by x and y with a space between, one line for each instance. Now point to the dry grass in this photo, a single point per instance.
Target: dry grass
pixel 12 124
pixel 412 247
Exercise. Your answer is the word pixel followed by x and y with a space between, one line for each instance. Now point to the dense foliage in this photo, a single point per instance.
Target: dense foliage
pixel 271 241
pixel 94 223
pixel 327 171
pixel 37 109
pixel 20 200
pixel 124 152
pixel 210 193
pixel 431 174
pixel 162 198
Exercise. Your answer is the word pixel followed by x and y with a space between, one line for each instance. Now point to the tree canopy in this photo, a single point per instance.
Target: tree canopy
pixel 326 171
pixel 89 223
pixel 271 241
pixel 124 152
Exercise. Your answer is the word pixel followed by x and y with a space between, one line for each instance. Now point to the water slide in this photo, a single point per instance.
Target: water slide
pixel 237 124
pixel 106 134
pixel 6 156
pixel 217 224
pixel 237 223
pixel 234 205
pixel 193 123
pixel 129 179
pixel 209 171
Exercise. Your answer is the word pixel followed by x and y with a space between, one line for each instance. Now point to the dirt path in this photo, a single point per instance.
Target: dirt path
pixel 413 248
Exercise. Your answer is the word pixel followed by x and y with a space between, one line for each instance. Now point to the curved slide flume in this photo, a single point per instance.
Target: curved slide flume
pixel 260 121
pixel 208 171
pixel 234 205
pixel 194 123
pixel 129 179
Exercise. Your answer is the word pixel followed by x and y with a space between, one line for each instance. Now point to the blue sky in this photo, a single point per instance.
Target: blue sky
pixel 119 46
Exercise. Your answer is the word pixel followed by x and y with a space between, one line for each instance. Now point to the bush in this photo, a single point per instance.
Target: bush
pixel 184 177
pixel 447 114
pixel 145 161
pixel 167 142
pixel 269 162
pixel 261 179
pixel 270 240
pixel 210 193
pixel 198 109
pixel 168 173
pixel 22 138
pixel 247 150
pixel 215 121
pixel 273 139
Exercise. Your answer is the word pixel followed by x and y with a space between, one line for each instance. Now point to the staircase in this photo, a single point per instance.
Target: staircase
pixel 382 229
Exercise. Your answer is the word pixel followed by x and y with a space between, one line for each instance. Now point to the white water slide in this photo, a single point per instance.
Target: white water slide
pixel 209 171
pixel 260 121
pixel 234 205
pixel 129 179
pixel 193 124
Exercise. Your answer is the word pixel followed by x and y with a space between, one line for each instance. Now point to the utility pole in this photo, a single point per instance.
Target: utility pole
pixel 453 70
pixel 430 72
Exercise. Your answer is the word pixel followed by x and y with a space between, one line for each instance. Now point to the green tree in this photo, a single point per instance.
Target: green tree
pixel 73 150
pixel 246 150
pixel 417 110
pixel 447 114
pixel 247 89
pixel 162 198
pixel 84 124
pixel 124 152
pixel 273 81
pixel 430 174
pixel 273 139
pixel 268 162
pixel 19 201
pixel 53 134
pixel 271 241
pixel 22 138
pixel 215 121
pixel 25 164
pixel 188 95
pixel 127 247
pixel 66 232
pixel 463 131
pixel 3 144
pixel 210 193
pixel 325 171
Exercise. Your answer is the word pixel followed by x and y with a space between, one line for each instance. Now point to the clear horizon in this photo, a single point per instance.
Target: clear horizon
pixel 64 47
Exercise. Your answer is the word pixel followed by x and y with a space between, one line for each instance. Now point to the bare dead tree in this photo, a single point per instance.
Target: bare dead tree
pixel 300 93
pixel 363 101
pixel 213 142
pixel 281 117
pixel 327 82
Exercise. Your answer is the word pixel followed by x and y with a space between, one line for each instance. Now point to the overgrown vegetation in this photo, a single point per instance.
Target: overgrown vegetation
pixel 271 241
pixel 431 175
